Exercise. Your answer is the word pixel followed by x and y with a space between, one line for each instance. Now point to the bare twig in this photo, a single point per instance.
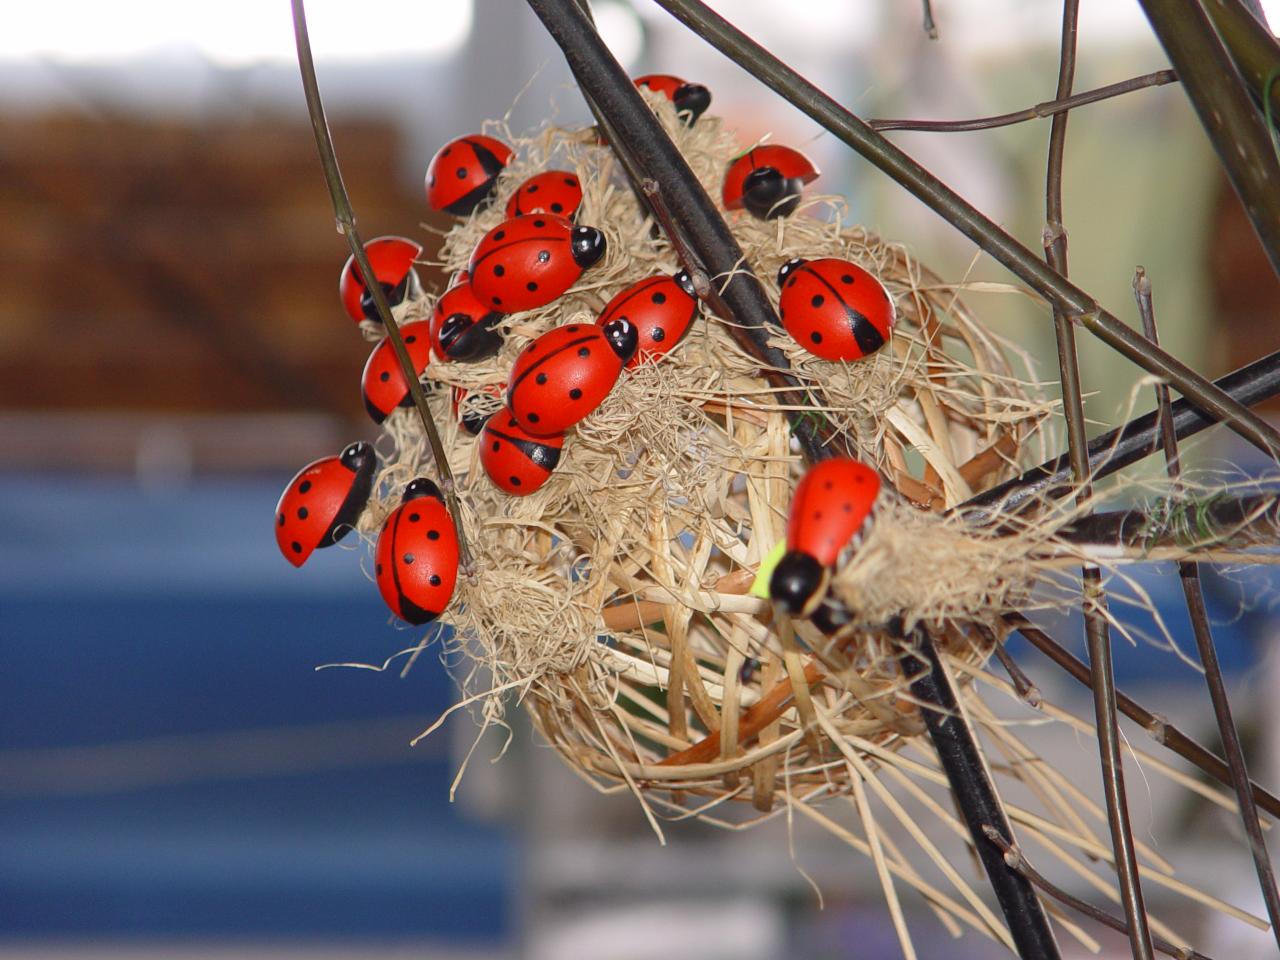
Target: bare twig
pixel 1014 857
pixel 347 227
pixel 1189 573
pixel 1158 727
pixel 1038 112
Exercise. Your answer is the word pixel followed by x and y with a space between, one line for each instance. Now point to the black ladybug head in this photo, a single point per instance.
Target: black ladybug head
pixel 358 456
pixel 421 487
pixel 788 268
pixel 798 583
pixel 409 288
pixel 767 194
pixel 692 98
pixel 473 422
pixel 464 339
pixel 686 283
pixel 587 244
pixel 623 337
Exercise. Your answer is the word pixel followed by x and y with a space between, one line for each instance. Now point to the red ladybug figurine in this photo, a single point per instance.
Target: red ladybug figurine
pixel 416 557
pixel 689 98
pixel 392 261
pixel 768 180
pixel 565 374
pixel 829 512
pixel 382 384
pixel 462 326
pixel 528 261
pixel 516 461
pixel 323 501
pixel 555 191
pixel 834 308
pixel 661 308
pixel 462 173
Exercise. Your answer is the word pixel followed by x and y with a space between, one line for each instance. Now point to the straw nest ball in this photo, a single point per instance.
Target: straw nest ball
pixel 614 600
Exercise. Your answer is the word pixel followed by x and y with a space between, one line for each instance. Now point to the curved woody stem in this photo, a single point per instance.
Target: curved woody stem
pixel 347 227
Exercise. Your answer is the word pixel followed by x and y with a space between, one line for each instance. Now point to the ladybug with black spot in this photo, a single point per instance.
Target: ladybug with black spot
pixel 416 557
pixel 528 261
pixel 463 172
pixel 323 501
pixel 564 375
pixel 768 181
pixel 463 327
pixel 472 407
pixel 553 191
pixel 516 461
pixel 661 308
pixel 830 512
pixel 392 261
pixel 834 308
pixel 691 99
pixel 382 384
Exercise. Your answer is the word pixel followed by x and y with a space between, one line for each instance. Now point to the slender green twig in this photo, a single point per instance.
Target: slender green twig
pixel 1189 574
pixel 347 227
pixel 1038 112
pixel 1059 291
pixel 1252 47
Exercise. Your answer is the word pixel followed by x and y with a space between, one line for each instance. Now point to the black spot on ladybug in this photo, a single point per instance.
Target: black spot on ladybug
pixel 828 485
pixel 384 376
pixel 497 301
pixel 572 329
pixel 408 558
pixel 792 281
pixel 302 513
pixel 659 297
pixel 569 181
pixel 575 394
pixel 533 188
pixel 557 208
pixel 378 570
pixel 540 379
pixel 514 481
pixel 434 580
pixel 411 338
pixel 297 547
pixel 584 352
pixel 528 349
pixel 544 256
pixel 539 224
pixel 445 152
pixel 531 286
pixel 497 445
pixel 462 173
pixel 499 270
pixel 815 337
pixel 818 300
pixel 511 422
pixel 433 534
pixel 304 486
pixel 281 519
pixel 658 335
pixel 846 278
pixel 534 418
pixel 415 517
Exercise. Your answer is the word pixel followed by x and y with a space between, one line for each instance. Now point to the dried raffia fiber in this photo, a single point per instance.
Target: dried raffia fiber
pixel 614 600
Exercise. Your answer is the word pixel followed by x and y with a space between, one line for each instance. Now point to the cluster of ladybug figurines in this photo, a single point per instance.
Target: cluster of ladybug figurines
pixel 831 307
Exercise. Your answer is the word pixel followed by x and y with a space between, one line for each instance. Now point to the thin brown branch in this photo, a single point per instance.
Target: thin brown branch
pixel 1038 112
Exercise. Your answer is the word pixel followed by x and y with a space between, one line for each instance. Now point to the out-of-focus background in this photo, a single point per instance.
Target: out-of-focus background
pixel 176 776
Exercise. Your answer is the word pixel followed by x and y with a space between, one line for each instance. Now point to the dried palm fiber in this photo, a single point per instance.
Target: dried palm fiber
pixel 614 599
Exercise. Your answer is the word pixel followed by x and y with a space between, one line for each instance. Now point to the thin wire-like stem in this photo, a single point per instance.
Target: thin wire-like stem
pixel 1093 596
pixel 976 797
pixel 1189 574
pixel 1119 448
pixel 966 218
pixel 1158 727
pixel 1244 31
pixel 1016 860
pixel 1221 100
pixel 632 125
pixel 1039 112
pixel 347 227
